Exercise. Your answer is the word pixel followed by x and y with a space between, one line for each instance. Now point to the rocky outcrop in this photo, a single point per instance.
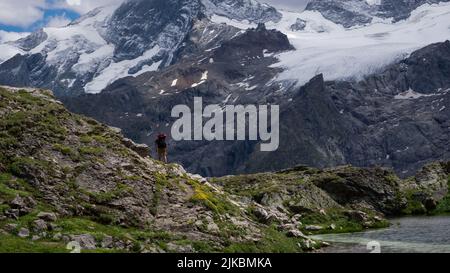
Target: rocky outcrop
pixel 339 199
pixel 67 180
pixel 252 44
pixel 70 180
pixel 299 25
pixel 141 149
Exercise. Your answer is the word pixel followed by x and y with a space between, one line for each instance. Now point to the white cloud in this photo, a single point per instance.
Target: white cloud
pixel 83 6
pixel 21 13
pixel 74 2
pixel 58 21
pixel 6 36
pixel 24 13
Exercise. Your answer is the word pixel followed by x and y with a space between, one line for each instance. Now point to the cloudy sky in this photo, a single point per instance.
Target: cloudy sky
pixel 29 15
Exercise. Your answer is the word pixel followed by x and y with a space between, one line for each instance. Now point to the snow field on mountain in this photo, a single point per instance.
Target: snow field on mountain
pixel 340 54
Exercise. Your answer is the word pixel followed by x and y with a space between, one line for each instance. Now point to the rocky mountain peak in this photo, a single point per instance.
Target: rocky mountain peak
pixel 137 26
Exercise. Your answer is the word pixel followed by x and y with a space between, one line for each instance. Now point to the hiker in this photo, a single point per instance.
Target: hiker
pixel 161 147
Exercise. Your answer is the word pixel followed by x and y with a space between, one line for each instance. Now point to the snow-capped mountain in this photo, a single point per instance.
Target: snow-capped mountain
pixel 113 42
pixel 331 37
pixel 342 53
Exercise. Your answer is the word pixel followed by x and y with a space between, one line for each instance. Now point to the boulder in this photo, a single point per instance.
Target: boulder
pixel 141 149
pixel 40 225
pixel 10 228
pixel 86 241
pixel 313 228
pixel 171 247
pixel 261 214
pixel 47 216
pixel 107 242
pixel 17 203
pixel 23 233
pixel 358 216
pixel 295 233
pixel 212 228
pixel 21 206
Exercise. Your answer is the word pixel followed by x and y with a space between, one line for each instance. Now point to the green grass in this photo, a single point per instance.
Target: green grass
pixel 256 185
pixel 21 166
pixel 7 192
pixel 414 207
pixel 342 223
pixel 90 150
pixel 273 241
pixel 213 201
pixel 65 150
pixel 444 206
pixel 106 197
pixel 13 244
pixel 79 225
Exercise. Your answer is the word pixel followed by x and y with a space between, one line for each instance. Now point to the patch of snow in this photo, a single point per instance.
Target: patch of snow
pixel 198 83
pixel 411 94
pixel 235 23
pixel 204 76
pixel 373 2
pixel 227 98
pixel 120 69
pixel 174 83
pixel 8 51
pixel 213 48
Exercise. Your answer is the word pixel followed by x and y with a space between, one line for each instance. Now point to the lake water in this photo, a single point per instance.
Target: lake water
pixel 406 235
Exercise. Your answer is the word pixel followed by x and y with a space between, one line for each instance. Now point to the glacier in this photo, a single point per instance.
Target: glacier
pixel 91 52
pixel 339 53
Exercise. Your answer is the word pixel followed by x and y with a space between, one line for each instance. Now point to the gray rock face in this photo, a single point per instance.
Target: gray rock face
pixel 27 71
pixel 351 13
pixel 401 9
pixel 235 69
pixel 252 44
pixel 250 10
pixel 371 188
pixel 86 241
pixel 342 11
pixel 40 225
pixel 387 126
pixel 141 149
pixel 137 26
pixel 31 41
pixel 299 25
pixel 47 216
